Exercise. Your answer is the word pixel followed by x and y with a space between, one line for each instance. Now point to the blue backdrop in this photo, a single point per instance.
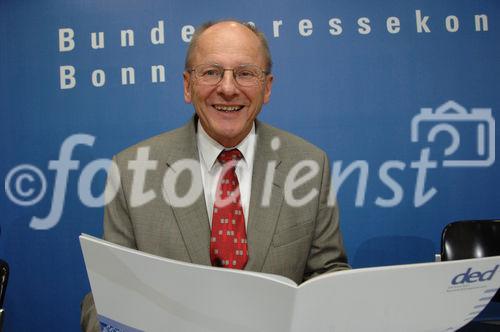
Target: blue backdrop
pixel 401 95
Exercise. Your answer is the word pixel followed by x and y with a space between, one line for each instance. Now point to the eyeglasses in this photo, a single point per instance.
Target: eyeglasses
pixel 244 75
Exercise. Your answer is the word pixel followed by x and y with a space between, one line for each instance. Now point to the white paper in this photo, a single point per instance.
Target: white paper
pixel 135 291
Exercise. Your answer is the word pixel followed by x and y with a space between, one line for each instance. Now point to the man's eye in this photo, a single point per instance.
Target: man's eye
pixel 211 72
pixel 246 73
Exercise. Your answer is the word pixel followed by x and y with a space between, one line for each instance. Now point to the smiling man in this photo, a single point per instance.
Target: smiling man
pixel 227 105
pixel 263 203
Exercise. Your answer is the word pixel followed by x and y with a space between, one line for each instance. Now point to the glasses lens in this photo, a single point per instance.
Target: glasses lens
pixel 248 75
pixel 208 74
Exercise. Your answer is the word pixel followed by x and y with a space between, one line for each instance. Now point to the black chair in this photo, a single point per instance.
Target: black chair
pixel 472 239
pixel 4 278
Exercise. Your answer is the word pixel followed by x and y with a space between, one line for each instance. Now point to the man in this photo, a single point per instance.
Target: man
pixel 276 188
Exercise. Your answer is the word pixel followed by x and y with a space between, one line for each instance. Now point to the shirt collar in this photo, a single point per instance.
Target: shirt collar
pixel 210 149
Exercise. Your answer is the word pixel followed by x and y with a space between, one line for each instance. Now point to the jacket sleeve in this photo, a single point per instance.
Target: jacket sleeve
pixel 327 252
pixel 88 319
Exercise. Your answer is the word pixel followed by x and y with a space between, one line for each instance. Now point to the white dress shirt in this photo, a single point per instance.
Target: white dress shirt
pixel 211 168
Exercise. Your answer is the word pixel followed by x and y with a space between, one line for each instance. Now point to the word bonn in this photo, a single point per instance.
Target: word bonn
pixel 470 277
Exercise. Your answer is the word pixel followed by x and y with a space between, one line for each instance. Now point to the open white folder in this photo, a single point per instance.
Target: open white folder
pixel 135 291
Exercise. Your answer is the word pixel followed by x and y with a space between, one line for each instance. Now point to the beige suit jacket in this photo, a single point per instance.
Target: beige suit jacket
pixel 297 242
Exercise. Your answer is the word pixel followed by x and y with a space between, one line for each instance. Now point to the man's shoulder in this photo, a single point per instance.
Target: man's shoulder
pixel 288 144
pixel 161 144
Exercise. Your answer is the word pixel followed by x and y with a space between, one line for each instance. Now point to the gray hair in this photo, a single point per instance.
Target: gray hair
pixel 199 31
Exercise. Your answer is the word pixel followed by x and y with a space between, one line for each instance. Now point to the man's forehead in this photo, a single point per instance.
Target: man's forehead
pixel 228 32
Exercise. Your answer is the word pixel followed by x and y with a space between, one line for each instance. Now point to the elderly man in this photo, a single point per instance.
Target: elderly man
pixel 264 203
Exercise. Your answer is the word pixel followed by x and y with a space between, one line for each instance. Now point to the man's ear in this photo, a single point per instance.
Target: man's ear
pixel 187 87
pixel 268 83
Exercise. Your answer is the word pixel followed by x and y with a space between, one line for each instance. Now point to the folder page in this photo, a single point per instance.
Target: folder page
pixel 135 291
pixel 418 297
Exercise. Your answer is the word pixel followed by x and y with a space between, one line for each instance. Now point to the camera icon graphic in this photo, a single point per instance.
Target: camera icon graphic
pixel 478 127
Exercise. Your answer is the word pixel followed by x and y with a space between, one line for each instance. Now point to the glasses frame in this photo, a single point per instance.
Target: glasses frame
pixel 193 71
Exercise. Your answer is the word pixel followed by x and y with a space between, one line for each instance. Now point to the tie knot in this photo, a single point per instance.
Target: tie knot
pixel 228 155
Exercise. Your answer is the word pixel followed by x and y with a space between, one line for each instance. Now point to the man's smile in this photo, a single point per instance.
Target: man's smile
pixel 228 108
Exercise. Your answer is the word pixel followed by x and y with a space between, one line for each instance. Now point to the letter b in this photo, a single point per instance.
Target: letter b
pixel 67 77
pixel 66 41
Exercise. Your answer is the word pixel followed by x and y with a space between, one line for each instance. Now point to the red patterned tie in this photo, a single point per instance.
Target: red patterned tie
pixel 228 241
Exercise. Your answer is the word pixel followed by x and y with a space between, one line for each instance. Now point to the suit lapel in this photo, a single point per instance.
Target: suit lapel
pixel 192 220
pixel 263 217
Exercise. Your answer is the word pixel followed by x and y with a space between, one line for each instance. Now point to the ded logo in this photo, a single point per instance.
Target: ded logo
pixel 470 277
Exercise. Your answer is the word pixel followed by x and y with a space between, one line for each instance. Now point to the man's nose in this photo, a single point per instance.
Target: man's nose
pixel 228 85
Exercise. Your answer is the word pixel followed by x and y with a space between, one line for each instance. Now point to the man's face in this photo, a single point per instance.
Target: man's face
pixel 227 110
